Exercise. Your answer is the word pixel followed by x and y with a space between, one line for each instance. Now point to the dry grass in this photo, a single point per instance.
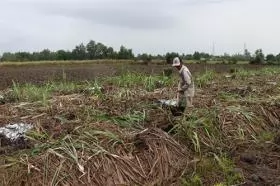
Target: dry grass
pixel 148 157
pixel 70 62
pixel 113 136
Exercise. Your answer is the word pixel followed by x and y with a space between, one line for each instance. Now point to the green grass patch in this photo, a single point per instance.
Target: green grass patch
pixel 205 78
pixel 134 80
pixel 217 170
pixel 194 180
pixel 244 74
pixel 266 136
pixel 227 166
pixel 130 120
pixel 42 93
pixel 226 96
pixel 30 92
pixel 201 129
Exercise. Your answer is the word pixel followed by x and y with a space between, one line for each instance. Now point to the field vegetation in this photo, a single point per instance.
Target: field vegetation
pixel 111 131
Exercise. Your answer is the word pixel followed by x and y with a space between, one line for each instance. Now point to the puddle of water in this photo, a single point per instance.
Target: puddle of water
pixel 15 131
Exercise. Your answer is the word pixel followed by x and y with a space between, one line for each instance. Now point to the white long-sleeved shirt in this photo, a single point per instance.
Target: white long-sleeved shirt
pixel 186 81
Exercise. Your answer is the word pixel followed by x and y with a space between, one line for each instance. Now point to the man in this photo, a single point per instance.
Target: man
pixel 186 85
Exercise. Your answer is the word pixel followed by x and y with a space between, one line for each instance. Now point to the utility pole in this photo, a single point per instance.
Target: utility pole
pixel 245 49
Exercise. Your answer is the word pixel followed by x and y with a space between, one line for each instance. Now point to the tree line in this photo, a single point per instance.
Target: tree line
pixel 257 57
pixel 92 50
pixel 96 50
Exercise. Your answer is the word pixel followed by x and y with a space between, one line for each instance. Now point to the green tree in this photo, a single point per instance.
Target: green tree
pixel 204 55
pixel 146 58
pixel 259 57
pixel 188 57
pixel 45 55
pixel 125 53
pixel 196 56
pixel 270 58
pixel 277 57
pixel 36 56
pixel 7 56
pixel 247 55
pixel 79 53
pixel 23 56
pixel 159 56
pixel 91 49
pixel 237 57
pixel 111 54
pixel 62 55
pixel 101 51
pixel 170 56
pixel 233 60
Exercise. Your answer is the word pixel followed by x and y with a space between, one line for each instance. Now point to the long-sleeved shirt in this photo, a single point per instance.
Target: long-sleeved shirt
pixel 186 83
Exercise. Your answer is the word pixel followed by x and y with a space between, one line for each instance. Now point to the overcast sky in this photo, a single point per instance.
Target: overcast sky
pixel 152 26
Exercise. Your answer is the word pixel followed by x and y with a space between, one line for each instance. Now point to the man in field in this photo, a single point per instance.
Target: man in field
pixel 185 90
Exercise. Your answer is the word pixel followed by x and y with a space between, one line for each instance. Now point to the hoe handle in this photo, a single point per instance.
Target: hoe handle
pixel 177 98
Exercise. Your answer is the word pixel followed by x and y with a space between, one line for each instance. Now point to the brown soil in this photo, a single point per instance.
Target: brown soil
pixel 259 163
pixel 43 73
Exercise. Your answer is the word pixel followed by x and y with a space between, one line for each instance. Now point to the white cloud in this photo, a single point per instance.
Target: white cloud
pixel 155 26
